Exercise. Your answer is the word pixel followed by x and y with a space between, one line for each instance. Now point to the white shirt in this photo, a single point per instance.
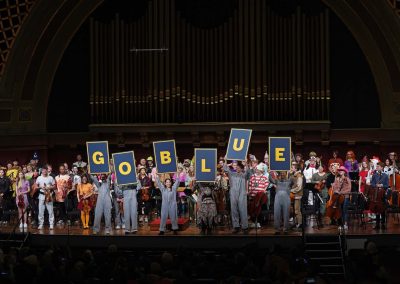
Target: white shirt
pixel 41 181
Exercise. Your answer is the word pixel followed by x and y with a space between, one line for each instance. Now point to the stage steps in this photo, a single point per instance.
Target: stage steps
pixel 326 254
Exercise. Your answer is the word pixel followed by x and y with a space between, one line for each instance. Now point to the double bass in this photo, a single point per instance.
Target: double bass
pixel 394 184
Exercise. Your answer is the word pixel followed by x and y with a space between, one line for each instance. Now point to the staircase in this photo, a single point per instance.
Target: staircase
pixel 326 253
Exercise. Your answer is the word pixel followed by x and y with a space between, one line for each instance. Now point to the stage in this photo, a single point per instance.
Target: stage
pixel 221 238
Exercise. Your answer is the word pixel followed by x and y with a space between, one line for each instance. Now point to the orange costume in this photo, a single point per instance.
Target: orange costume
pixel 85 191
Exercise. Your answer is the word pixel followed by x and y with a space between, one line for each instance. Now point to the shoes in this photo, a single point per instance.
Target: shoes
pixel 258 226
pixel 146 220
pixel 277 233
pixel 25 225
pixel 94 233
pixel 108 233
pixel 127 233
pixel 61 222
pixel 345 227
pixel 117 227
pixel 245 231
pixel 21 225
pixel 51 227
pixel 123 226
pixel 236 230
pixel 161 233
pixel 285 232
pixel 134 232
pixel 40 227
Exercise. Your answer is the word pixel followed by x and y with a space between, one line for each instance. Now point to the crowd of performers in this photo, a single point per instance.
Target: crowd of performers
pixel 244 195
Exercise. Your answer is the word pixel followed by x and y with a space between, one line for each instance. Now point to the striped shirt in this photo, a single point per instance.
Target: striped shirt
pixel 258 182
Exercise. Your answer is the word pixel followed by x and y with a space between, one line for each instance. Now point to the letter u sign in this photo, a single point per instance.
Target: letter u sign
pixel 238 145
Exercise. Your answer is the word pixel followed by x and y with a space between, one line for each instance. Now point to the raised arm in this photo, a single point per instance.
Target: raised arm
pixel 95 181
pixel 176 184
pixel 159 184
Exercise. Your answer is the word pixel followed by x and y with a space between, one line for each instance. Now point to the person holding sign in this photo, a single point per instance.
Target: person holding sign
pixel 282 201
pixel 103 205
pixel 238 195
pixel 130 207
pixel 168 205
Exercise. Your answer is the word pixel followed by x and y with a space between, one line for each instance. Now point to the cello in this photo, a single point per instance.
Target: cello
pixel 333 205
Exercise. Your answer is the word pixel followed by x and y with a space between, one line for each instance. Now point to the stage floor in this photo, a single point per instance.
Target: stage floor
pixel 191 237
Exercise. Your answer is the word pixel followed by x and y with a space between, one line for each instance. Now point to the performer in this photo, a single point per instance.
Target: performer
pixel 257 198
pixel 313 157
pixel 5 195
pixel 130 207
pixel 335 159
pixel 145 194
pixel 103 204
pixel 63 185
pixel 341 189
pixel 150 166
pixel 118 201
pixel 309 197
pixel 12 174
pixel 376 195
pixel 297 191
pixel 85 191
pixel 282 201
pixel 46 185
pixel 168 205
pixel 298 158
pixel 364 175
pixel 189 191
pixel 23 189
pixel 319 181
pixel 80 164
pixel 221 189
pixel 238 196
pixel 181 177
pixel 207 213
pixel 351 163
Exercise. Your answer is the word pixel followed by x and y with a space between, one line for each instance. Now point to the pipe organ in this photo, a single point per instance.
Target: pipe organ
pixel 258 65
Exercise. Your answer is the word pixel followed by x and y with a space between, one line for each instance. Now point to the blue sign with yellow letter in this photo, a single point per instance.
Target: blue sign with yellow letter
pixel 98 157
pixel 205 164
pixel 279 153
pixel 238 144
pixel 165 156
pixel 124 168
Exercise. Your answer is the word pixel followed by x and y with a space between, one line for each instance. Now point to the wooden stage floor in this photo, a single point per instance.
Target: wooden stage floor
pixel 191 237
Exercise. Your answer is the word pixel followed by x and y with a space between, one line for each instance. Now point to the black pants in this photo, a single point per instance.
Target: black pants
pixel 380 219
pixel 61 210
